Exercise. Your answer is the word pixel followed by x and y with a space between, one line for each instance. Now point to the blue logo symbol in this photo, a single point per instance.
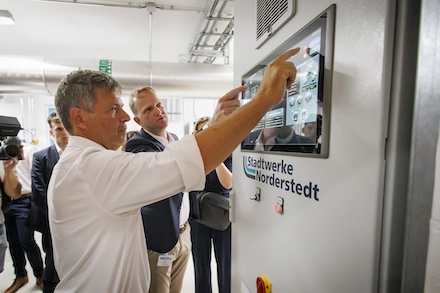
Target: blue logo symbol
pixel 250 173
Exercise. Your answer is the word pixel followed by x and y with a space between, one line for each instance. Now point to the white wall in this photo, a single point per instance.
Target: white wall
pixel 32 111
pixel 432 279
pixel 330 245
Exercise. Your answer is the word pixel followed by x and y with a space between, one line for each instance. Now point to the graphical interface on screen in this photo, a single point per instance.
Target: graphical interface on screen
pixel 294 125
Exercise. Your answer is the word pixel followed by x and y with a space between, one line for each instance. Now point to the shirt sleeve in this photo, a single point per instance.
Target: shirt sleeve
pixel 129 181
pixel 189 161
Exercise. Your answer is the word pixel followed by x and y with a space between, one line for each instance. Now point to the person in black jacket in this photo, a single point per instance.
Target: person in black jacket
pixel 42 165
pixel 203 237
pixel 165 222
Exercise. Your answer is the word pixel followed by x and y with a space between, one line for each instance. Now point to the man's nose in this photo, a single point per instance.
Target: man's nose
pixel 124 116
pixel 158 111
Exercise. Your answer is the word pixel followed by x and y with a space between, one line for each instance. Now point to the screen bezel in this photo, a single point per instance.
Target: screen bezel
pixel 325 22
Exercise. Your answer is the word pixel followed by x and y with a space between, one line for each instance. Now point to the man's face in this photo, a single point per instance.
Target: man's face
pixel 59 133
pixel 106 125
pixel 309 130
pixel 151 114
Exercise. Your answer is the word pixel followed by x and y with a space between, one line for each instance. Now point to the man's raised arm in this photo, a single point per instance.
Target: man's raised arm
pixel 218 141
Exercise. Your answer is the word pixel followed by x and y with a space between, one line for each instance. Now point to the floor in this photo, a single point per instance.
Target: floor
pixel 7 276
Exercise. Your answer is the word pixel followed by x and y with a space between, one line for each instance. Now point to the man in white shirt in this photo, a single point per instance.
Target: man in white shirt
pixel 95 193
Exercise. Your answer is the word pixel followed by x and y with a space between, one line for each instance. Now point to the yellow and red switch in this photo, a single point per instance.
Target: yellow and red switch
pixel 263 284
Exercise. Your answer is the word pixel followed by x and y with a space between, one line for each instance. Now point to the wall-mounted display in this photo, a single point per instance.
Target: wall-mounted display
pixel 299 124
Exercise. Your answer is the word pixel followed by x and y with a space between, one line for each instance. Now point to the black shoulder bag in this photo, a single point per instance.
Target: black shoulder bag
pixel 210 209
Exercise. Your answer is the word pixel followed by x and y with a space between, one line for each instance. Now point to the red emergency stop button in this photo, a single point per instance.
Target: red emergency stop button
pixel 279 208
pixel 263 284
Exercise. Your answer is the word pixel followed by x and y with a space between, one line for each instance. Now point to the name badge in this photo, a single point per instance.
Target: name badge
pixel 165 260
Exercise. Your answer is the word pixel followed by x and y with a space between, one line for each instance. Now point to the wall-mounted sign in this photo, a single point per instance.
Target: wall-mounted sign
pixel 105 66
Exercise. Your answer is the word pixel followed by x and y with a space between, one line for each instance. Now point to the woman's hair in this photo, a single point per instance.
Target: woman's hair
pixel 200 121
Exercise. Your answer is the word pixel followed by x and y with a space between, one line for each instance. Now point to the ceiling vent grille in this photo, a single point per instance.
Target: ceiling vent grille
pixel 271 16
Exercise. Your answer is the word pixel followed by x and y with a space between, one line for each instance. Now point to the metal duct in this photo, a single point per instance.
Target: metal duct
pixel 40 76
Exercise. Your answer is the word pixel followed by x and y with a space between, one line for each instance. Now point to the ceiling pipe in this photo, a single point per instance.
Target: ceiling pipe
pixel 123 4
pixel 32 75
pixel 151 7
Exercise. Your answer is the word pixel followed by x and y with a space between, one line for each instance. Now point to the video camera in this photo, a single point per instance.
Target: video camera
pixel 10 143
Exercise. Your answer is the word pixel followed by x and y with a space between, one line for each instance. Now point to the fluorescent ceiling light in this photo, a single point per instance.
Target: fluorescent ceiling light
pixel 6 17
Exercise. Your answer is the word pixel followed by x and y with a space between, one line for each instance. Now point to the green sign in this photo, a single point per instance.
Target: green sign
pixel 105 66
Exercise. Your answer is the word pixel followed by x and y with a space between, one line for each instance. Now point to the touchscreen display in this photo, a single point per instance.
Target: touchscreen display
pixel 295 124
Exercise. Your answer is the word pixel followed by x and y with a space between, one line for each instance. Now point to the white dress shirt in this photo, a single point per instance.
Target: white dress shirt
pixel 59 149
pixel 184 207
pixel 23 168
pixel 94 198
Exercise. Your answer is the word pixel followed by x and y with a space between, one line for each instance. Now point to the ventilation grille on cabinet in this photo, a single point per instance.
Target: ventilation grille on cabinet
pixel 271 16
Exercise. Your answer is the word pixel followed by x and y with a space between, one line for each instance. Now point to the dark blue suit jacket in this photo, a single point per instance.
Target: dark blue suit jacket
pixel 42 166
pixel 161 219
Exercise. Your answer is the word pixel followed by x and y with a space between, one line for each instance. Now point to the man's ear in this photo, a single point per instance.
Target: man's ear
pixel 137 120
pixel 78 119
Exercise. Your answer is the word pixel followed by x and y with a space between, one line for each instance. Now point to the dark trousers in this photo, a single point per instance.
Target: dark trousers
pixel 202 239
pixel 50 276
pixel 21 239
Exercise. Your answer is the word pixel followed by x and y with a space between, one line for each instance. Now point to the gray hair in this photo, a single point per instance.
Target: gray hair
pixel 134 94
pixel 77 90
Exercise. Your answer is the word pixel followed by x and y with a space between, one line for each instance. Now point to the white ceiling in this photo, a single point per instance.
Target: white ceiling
pixel 67 30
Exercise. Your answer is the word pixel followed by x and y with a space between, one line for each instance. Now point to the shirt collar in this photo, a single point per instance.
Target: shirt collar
pixel 160 139
pixel 59 150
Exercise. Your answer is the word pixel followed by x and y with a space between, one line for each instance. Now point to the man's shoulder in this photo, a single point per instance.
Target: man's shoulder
pixel 140 143
pixel 45 151
pixel 136 139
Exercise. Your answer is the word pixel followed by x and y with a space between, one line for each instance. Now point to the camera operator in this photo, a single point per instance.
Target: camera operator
pixel 12 187
pixel 20 236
